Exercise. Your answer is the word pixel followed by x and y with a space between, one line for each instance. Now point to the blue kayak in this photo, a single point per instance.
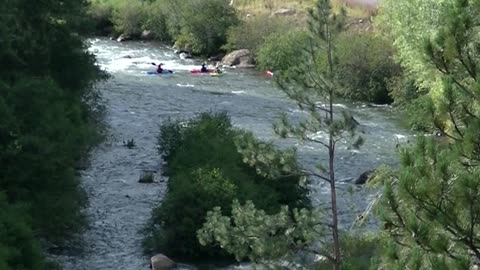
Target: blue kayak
pixel 166 71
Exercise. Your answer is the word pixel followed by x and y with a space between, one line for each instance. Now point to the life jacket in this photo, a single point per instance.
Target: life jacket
pixel 159 69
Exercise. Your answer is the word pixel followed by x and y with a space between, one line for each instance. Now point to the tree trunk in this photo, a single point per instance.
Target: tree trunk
pixel 333 193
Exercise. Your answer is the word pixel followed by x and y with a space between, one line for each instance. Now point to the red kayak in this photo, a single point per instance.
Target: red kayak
pixel 199 71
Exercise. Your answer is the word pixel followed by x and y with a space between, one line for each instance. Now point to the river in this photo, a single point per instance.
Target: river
pixel 138 103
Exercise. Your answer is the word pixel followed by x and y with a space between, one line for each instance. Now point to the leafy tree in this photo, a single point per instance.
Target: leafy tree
pixel 251 33
pixel 313 78
pixel 203 24
pixel 365 66
pixel 430 207
pixel 280 51
pixel 408 24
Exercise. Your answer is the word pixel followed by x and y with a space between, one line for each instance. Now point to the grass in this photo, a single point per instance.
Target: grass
pixel 354 8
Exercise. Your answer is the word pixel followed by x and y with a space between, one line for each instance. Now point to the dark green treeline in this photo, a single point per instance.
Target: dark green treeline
pixel 47 123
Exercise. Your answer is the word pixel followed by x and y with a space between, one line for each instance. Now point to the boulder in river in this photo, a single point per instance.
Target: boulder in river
pixel 146 35
pixel 161 262
pixel 124 37
pixel 364 177
pixel 184 55
pixel 239 58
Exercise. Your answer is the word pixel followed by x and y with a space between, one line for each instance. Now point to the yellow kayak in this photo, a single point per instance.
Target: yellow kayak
pixel 215 74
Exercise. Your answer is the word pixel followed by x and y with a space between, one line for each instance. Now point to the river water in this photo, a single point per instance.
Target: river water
pixel 138 103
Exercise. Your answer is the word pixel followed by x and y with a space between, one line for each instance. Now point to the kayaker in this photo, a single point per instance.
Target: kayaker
pixel 218 70
pixel 160 69
pixel 204 68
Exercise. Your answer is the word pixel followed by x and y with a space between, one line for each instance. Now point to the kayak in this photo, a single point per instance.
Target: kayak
pixel 166 71
pixel 215 74
pixel 199 71
pixel 268 73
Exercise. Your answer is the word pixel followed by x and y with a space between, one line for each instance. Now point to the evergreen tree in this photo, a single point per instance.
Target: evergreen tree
pixel 430 208
pixel 314 78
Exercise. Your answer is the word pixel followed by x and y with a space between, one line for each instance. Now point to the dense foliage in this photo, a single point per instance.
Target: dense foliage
pixel 366 66
pixel 280 51
pixel 47 124
pixel 206 170
pixel 179 22
pixel 251 33
pixel 430 205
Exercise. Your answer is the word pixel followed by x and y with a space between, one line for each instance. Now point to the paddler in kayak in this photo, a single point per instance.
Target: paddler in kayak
pixel 204 68
pixel 159 68
pixel 217 69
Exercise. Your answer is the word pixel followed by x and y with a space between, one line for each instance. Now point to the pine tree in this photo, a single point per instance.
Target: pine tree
pixel 430 208
pixel 312 79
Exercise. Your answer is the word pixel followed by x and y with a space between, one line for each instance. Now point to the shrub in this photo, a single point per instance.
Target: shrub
pixel 18 247
pixel 206 170
pixel 101 13
pixel 129 17
pixel 365 66
pixel 360 252
pixel 203 24
pixel 158 19
pixel 146 177
pixel 184 209
pixel 280 51
pixel 251 34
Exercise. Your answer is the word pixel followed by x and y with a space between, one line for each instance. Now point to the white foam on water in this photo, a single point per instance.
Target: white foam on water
pixel 238 92
pixel 185 85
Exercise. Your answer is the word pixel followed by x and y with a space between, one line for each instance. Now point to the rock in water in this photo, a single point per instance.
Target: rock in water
pixel 363 178
pixel 123 37
pixel 161 262
pixel 240 58
pixel 146 35
pixel 185 55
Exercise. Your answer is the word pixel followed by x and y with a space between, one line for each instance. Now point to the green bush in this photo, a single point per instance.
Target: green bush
pixel 129 17
pixel 205 170
pixel 18 247
pixel 365 66
pixel 251 34
pixel 359 252
pixel 280 51
pixel 101 14
pixel 158 20
pixel 184 208
pixel 203 24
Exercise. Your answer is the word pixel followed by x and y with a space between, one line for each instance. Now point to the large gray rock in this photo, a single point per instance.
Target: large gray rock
pixel 284 12
pixel 239 58
pixel 161 262
pixel 364 177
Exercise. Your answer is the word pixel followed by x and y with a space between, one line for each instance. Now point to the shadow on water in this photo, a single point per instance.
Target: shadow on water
pixel 138 103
